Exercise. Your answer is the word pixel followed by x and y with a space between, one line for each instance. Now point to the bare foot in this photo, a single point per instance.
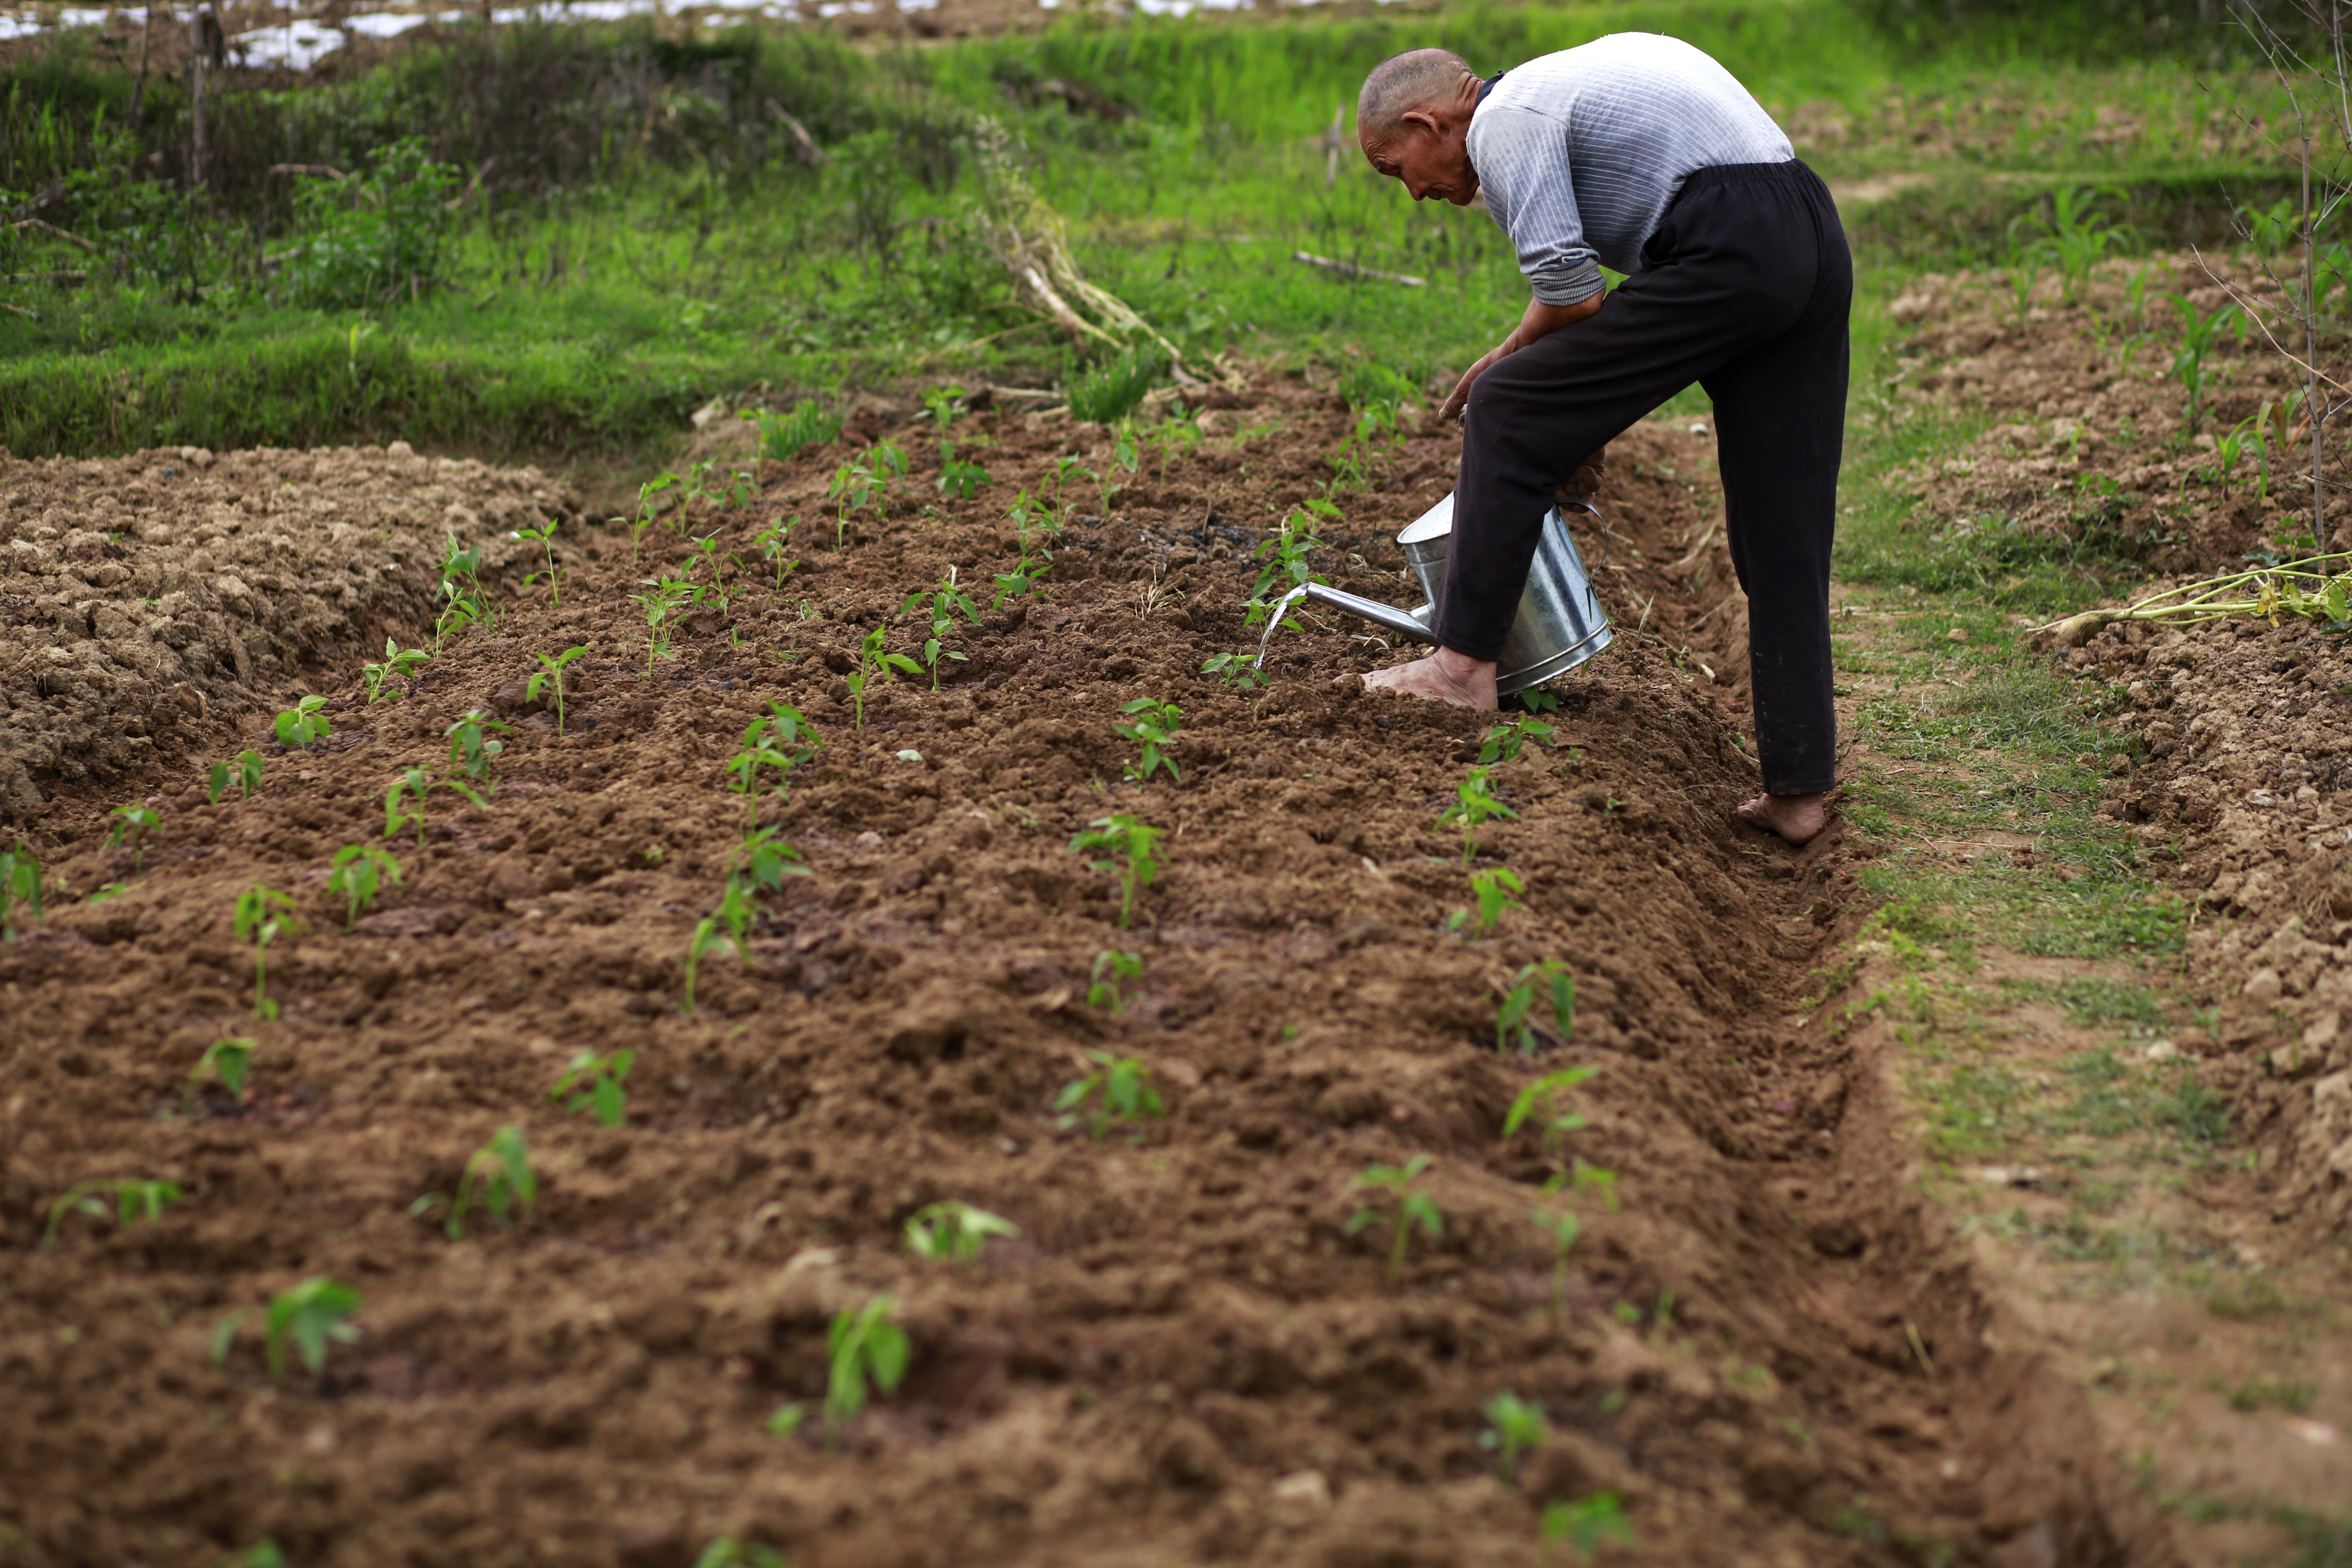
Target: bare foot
pixel 1795 817
pixel 1444 677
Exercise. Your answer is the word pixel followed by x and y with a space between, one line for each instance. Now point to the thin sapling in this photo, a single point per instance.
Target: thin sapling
pixel 959 477
pixel 550 677
pixel 1491 888
pixel 662 608
pixel 1502 743
pixel 1407 1206
pixel 1547 1100
pixel 128 1199
pixel 952 1232
pixel 782 740
pixel 1122 1093
pixel 1283 558
pixel 263 914
pixel 864 1348
pixel 1152 725
pixel 359 870
pixel 544 537
pixel 133 824
pixel 1128 846
pixel 595 1083
pixel 648 511
pixel 773 543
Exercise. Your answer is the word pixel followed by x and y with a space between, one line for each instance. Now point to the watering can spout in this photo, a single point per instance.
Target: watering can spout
pixel 1560 623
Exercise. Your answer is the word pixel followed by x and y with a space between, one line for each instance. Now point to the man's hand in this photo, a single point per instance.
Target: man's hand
pixel 1540 322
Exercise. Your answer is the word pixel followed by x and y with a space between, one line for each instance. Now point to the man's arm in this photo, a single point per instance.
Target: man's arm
pixel 1541 320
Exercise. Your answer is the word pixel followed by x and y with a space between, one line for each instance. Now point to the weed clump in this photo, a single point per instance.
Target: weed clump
pixel 1109 392
pixel 783 437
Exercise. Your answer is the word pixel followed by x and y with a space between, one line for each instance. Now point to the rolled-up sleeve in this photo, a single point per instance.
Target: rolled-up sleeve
pixel 1521 157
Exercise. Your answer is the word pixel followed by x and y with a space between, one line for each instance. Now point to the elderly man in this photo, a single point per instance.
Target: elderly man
pixel 1641 152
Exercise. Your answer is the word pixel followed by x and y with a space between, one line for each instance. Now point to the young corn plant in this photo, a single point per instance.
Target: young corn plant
pixel 868 1355
pixel 595 1083
pixel 359 870
pixel 1407 1206
pixel 303 723
pixel 1113 970
pixel 133 824
pixel 1474 806
pixel 244 771
pixel 1516 1429
pixel 2198 333
pixel 498 1179
pixel 952 1232
pixel 399 663
pixel 1152 725
pixel 20 889
pixel 1514 1025
pixel 945 600
pixel 1121 1092
pixel 781 741
pixel 1585 1524
pixel 1502 743
pixel 550 677
pixel 263 914
pixel 309 1317
pixel 128 1199
pixel 229 1060
pixel 874 662
pixel 1129 847
pixel 1283 558
pixel 472 749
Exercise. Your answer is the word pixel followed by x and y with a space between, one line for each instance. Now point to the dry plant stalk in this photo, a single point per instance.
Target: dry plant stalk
pixel 1027 236
pixel 2293 588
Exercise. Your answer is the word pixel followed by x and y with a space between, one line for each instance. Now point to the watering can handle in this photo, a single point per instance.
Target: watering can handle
pixel 1372 610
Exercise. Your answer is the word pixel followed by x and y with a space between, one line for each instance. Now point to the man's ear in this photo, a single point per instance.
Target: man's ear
pixel 1425 118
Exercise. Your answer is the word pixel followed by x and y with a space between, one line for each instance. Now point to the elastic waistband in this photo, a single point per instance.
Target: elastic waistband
pixel 1746 173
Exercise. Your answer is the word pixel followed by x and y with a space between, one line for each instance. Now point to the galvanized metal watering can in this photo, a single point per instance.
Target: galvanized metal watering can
pixel 1560 623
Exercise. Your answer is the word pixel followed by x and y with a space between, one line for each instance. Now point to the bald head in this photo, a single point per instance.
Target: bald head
pixel 1414 79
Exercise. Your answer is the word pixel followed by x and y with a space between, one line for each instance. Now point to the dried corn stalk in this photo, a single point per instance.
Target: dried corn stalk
pixel 1026 234
pixel 2302 589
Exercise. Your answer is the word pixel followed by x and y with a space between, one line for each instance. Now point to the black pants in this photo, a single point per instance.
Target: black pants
pixel 1745 290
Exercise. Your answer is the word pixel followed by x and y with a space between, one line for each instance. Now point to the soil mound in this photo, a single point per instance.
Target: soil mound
pixel 1760 1346
pixel 147 603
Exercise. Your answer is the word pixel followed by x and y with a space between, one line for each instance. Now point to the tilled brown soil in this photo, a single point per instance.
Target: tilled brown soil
pixel 1766 1347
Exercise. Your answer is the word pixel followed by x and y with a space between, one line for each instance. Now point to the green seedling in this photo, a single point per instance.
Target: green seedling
pixel 1474 806
pixel 497 1179
pixel 461 587
pixel 960 477
pixel 245 771
pixel 303 723
pixel 1547 1098
pixel 1502 743
pixel 729 1552
pixel 649 510
pixel 20 888
pixel 130 1200
pixel 1407 1206
pixel 544 537
pixel 1238 670
pixel 359 870
pixel 263 914
pixel 715 931
pixel 952 1232
pixel 263 1553
pixel 133 824
pixel 228 1060
pixel 1514 1028
pixel 1491 889
pixel 707 553
pixel 786 1420
pixel 662 607
pixel 862 483
pixel 551 678
pixel 2199 332
pixel 782 740
pixel 1129 847
pixel 773 543
pixel 1035 560
pixel 1562 1228
pixel 939 403
pixel 1283 558
pixel 471 748
pixel 595 1083
pixel 1586 1523
pixel 1179 432
pixel 944 601
pixel 1066 469
pixel 1152 725
pixel 1518 1428
pixel 1122 1092
pixel 783 436
pixel 309 1317
pixel 867 1349
pixel 1112 971
pixel 397 662
pixel 874 663
pixel 761 862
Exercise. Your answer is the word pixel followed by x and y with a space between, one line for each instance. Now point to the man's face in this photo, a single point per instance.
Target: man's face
pixel 1431 155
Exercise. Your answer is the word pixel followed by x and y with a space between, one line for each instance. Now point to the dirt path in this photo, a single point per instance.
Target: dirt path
pixel 1768 1347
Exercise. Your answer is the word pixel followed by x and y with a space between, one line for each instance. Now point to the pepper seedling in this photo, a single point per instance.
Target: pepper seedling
pixel 309 1317
pixel 648 511
pixel 781 741
pixel 1283 560
pixel 773 543
pixel 20 885
pixel 1550 977
pixel 245 771
pixel 1407 1206
pixel 953 1232
pixel 1238 670
pixel 1112 970
pixel 662 606
pixel 133 824
pixel 498 1178
pixel 262 915
pixel 946 599
pixel 358 870
pixel 1475 805
pixel 397 661
pixel 228 1060
pixel 1152 725
pixel 1491 889
pixel 470 747
pixel 959 477
pixel 550 676
pixel 1517 1428
pixel 544 537
pixel 130 1200
pixel 1123 1093
pixel 1548 1096
pixel 1129 849
pixel 1585 1523
pixel 595 1083
pixel 873 663
pixel 303 723
pixel 865 1347
pixel 1502 743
